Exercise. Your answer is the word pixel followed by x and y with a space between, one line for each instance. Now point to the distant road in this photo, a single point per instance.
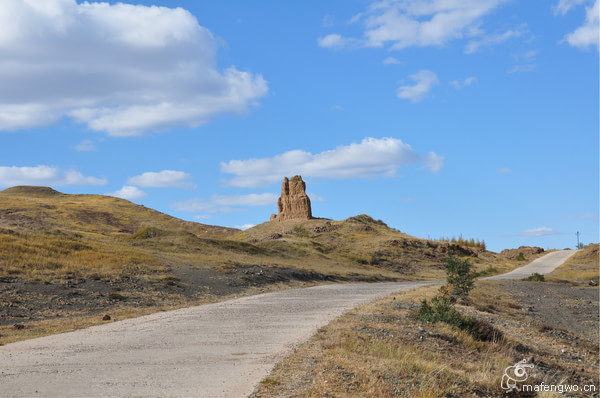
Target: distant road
pixel 542 265
pixel 214 350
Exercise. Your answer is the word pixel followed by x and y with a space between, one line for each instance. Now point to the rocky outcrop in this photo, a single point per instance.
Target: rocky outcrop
pixel 294 203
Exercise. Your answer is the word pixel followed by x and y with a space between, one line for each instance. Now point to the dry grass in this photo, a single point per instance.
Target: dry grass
pixel 379 350
pixel 583 267
pixel 45 234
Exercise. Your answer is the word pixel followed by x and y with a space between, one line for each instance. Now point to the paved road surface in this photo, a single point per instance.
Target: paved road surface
pixel 214 350
pixel 541 265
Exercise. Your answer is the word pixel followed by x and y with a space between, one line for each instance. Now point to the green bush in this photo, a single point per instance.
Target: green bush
pixel 440 309
pixel 460 280
pixel 535 277
pixel 459 276
pixel 520 257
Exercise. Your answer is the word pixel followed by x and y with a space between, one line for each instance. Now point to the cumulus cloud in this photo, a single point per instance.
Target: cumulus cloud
pixel 371 158
pixel 588 34
pixel 407 23
pixel 226 203
pixel 130 193
pixel 424 82
pixel 162 179
pixel 459 85
pixel 122 69
pixel 45 175
pixel 541 231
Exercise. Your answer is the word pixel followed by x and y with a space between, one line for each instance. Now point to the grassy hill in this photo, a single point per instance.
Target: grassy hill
pixel 44 233
pixel 63 255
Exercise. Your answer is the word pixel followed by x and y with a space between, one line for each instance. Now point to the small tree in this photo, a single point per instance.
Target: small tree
pixel 460 278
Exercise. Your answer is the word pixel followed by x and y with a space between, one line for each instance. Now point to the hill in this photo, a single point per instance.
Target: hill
pixel 63 255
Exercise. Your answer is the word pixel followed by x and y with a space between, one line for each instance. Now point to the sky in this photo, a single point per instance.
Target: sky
pixel 473 118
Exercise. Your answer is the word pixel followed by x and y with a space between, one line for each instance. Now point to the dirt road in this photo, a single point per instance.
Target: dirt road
pixel 214 350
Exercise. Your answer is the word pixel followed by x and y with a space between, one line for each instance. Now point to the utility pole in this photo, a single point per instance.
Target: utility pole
pixel 578 240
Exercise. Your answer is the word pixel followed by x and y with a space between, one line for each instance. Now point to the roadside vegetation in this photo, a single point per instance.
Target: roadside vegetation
pixel 580 269
pixel 415 344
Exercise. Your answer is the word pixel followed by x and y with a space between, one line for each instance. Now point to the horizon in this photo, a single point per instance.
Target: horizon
pixel 477 119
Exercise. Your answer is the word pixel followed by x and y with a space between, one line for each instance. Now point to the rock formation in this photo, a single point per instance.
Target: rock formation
pixel 294 203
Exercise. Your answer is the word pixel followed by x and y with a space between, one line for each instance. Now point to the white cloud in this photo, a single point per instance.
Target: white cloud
pixel 392 61
pixel 407 23
pixel 459 85
pixel 123 69
pixel 504 170
pixel 128 192
pixel 333 40
pixel 337 108
pixel 433 162
pixel 588 34
pixel 522 68
pixel 315 198
pixel 488 40
pixel 371 158
pixel 45 175
pixel 244 227
pixel 226 203
pixel 563 6
pixel 424 82
pixel 86 146
pixel 525 62
pixel 542 231
pixel 162 179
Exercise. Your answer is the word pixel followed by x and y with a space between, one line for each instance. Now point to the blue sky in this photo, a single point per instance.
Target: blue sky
pixel 440 117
